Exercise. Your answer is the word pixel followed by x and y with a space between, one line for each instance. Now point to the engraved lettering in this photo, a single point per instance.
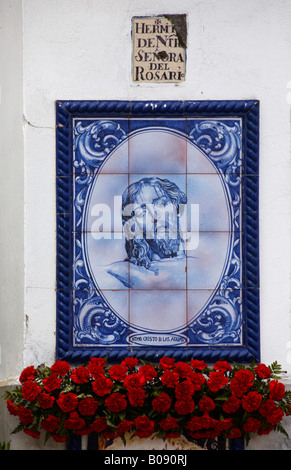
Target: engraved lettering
pixel 157 52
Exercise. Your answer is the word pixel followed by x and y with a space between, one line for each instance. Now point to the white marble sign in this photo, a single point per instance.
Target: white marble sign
pixel 159 49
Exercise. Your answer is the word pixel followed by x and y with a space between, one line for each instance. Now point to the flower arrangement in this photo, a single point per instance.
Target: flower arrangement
pixel 166 399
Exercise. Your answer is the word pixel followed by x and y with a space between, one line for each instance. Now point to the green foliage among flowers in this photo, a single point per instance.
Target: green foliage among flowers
pixel 166 399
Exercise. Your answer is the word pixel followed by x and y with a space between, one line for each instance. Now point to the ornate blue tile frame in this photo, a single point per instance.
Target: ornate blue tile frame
pixel 207 125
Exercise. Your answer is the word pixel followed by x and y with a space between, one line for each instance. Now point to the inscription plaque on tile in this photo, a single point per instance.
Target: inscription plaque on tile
pixel 159 49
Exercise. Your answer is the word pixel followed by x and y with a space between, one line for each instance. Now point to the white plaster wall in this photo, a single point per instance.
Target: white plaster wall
pixel 80 49
pixel 11 191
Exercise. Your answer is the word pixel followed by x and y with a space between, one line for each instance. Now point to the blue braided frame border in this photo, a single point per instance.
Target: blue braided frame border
pixel 248 111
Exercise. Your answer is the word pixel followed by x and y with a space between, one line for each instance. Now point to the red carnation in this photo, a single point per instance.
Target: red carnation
pixel 208 422
pixel 183 369
pixel 167 363
pixel 124 426
pixel 46 400
pixel 184 389
pixel 242 381
pixel 96 366
pixel 162 403
pixel 231 405
pixel 99 425
pixel 223 425
pixel 136 397
pixel 102 385
pixel 52 382
pixel 109 434
pixel 50 424
pixel 267 408
pixel 28 373
pixel 252 425
pixel 197 379
pixel 88 406
pixel 118 372
pixel 234 433
pixel 25 415
pixel 68 402
pixel 277 390
pixel 223 366
pixel 265 430
pixel 60 368
pixel 134 381
pixel 80 375
pixel 206 404
pixel 251 401
pixel 194 424
pixel 276 416
pixel 13 409
pixel 130 362
pixel 144 426
pixel 32 433
pixel 170 379
pixel 216 381
pixel 169 423
pixel 184 407
pixel 116 402
pixel 148 371
pixel 201 422
pixel 30 390
pixel 74 421
pixel 196 364
pixel 263 371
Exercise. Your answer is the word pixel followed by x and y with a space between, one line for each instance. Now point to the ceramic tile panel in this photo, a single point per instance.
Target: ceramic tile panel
pixel 157 147
pixel 90 308
pixel 209 200
pixel 158 311
pixel 104 203
pixel 209 256
pixel 94 140
pixel 220 321
pixel 157 229
pixel 106 256
pixel 214 144
pixel 118 303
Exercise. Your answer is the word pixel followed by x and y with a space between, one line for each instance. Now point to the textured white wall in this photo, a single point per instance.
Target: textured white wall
pixel 11 191
pixel 80 49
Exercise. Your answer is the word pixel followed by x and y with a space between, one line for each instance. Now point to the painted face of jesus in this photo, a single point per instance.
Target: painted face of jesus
pixel 152 217
pixel 155 215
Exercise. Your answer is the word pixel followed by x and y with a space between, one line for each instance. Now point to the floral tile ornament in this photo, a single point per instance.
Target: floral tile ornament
pixel 157 229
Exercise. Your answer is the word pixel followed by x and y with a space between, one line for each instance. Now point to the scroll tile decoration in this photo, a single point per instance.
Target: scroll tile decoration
pixel 157 229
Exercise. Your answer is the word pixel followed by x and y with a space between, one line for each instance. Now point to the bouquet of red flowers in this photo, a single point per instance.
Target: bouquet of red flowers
pixel 166 400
